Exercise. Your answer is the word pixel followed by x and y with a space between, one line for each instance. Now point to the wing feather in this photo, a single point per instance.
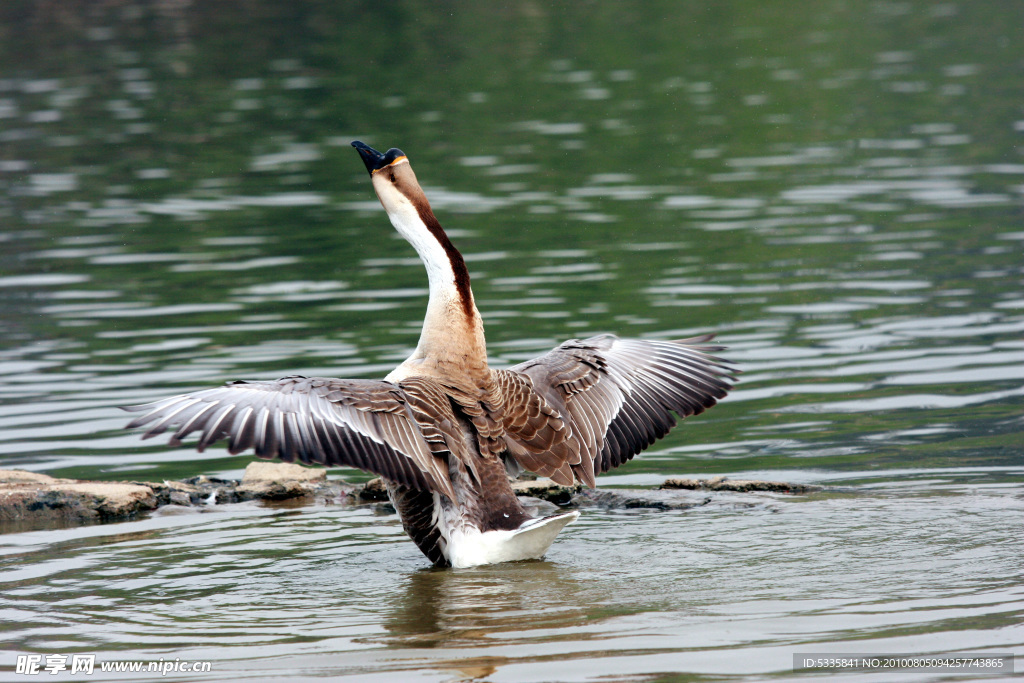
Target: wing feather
pixel 242 430
pixel 618 396
pixel 358 423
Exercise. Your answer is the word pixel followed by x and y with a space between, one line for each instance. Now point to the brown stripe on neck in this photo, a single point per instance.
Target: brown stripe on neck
pixel 454 257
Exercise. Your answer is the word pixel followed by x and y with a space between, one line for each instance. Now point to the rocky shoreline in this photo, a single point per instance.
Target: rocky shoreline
pixel 39 501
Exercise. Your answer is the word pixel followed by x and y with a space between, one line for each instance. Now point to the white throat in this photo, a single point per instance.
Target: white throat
pixel 452 332
pixel 410 225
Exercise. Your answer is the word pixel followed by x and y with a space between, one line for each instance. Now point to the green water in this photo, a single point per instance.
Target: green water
pixel 836 189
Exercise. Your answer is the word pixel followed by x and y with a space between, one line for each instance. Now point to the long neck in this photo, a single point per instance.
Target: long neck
pixel 452 340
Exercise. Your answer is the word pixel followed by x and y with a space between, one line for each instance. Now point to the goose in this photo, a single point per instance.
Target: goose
pixel 444 430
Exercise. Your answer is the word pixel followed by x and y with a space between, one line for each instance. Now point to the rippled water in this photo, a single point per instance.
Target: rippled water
pixel 837 192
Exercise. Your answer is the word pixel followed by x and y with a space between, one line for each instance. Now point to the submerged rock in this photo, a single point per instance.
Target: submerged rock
pixel 738 485
pixel 30 499
pixel 373 490
pixel 546 489
pixel 639 499
pixel 33 499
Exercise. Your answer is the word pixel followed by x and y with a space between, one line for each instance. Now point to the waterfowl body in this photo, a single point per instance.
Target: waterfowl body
pixel 443 429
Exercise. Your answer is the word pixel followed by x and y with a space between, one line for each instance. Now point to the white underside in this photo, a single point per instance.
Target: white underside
pixel 471 548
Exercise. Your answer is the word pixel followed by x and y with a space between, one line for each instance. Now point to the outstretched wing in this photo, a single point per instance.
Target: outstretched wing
pixel 536 435
pixel 618 396
pixel 359 423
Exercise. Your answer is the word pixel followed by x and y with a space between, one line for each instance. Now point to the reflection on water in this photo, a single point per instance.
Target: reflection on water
pixel 837 192
pixel 463 609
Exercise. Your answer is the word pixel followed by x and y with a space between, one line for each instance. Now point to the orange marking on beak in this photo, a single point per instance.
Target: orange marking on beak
pixel 396 161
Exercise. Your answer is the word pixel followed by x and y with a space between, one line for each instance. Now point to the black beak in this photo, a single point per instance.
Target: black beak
pixel 373 159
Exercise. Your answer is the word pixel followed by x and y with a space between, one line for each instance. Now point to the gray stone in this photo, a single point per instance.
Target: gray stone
pixel 263 471
pixel 30 496
pixel 279 481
